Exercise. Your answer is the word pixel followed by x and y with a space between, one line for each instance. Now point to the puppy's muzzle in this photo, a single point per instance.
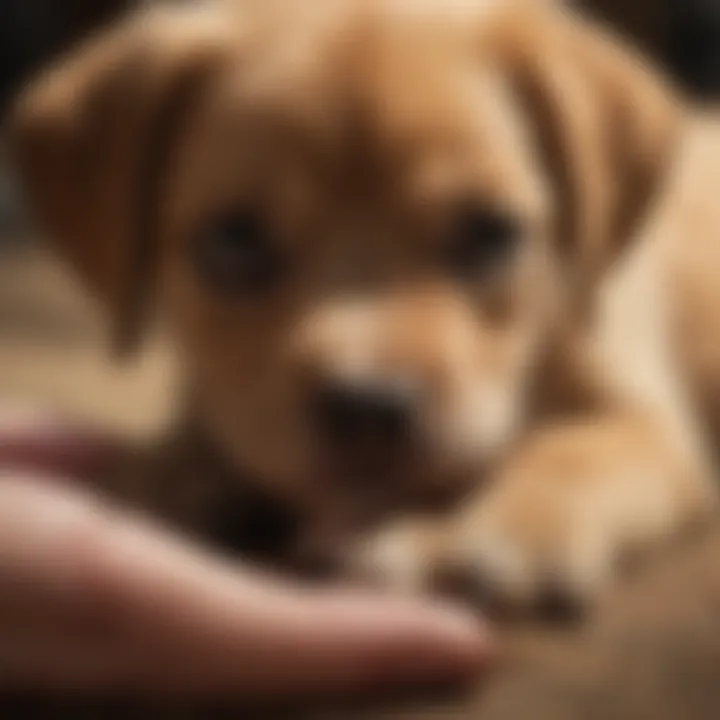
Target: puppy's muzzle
pixel 367 424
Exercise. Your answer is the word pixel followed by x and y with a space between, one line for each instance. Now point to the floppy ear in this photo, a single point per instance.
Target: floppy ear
pixel 93 137
pixel 607 128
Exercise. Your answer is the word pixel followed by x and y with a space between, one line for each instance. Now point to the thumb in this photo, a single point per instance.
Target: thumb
pixel 219 625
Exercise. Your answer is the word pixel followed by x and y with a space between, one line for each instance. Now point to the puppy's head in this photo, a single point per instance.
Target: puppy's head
pixel 360 219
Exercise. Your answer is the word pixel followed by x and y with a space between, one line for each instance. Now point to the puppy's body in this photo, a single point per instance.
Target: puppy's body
pixel 407 250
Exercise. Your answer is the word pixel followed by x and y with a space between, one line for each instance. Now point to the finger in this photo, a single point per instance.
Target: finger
pixel 217 627
pixel 179 620
pixel 41 441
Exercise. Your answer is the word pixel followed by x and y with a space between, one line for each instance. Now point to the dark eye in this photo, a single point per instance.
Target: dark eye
pixel 480 241
pixel 237 254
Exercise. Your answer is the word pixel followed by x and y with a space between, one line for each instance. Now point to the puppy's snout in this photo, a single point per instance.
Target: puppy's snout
pixel 360 415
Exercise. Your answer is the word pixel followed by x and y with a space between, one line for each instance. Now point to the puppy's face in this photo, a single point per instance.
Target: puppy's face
pixel 359 237
pixel 351 261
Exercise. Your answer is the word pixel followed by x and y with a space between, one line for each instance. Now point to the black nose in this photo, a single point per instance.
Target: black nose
pixel 363 414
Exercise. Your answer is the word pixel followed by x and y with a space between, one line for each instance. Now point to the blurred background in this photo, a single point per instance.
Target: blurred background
pixel 52 343
pixel 52 340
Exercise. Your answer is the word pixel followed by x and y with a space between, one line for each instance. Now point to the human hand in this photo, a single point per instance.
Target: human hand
pixel 94 598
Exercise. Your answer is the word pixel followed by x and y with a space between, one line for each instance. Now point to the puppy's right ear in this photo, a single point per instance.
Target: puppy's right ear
pixel 93 138
pixel 608 129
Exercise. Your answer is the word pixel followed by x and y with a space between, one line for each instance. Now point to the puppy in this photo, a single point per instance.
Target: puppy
pixel 430 254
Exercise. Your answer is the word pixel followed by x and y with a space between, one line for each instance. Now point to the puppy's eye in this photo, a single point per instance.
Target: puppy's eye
pixel 480 241
pixel 237 254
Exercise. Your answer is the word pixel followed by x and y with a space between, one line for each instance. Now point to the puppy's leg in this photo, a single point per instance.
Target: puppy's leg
pixel 558 517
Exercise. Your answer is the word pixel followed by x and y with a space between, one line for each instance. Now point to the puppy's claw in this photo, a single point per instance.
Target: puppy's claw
pixel 551 597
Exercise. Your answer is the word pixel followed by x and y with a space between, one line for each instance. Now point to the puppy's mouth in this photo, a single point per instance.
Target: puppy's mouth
pixel 371 471
pixel 382 480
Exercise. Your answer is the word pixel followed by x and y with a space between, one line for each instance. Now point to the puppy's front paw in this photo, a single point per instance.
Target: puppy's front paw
pixel 549 533
pixel 516 550
pixel 531 549
pixel 552 531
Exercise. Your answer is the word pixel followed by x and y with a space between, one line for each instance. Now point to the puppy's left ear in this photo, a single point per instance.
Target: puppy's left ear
pixel 93 139
pixel 607 127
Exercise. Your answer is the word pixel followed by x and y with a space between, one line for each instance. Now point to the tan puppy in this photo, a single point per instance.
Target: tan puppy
pixel 410 251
